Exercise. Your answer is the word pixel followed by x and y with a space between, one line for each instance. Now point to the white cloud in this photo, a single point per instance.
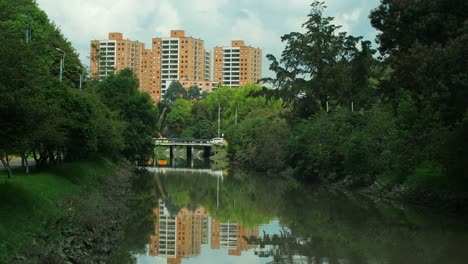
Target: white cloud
pixel 348 20
pixel 164 17
pixel 260 23
pixel 252 30
pixel 290 5
pixel 353 16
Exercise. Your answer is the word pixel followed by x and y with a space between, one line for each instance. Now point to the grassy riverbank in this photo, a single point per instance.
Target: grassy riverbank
pixel 42 213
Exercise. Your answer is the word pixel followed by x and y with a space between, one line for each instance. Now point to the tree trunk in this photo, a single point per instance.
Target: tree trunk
pixel 59 156
pixel 35 157
pixel 7 166
pixel 7 160
pixel 24 162
pixel 50 154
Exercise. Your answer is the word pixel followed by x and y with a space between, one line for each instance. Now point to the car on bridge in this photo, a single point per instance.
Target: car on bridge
pixel 218 141
pixel 161 140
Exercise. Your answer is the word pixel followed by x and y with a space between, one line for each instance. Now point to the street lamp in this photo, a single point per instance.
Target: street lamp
pixel 81 77
pixel 62 63
pixel 28 30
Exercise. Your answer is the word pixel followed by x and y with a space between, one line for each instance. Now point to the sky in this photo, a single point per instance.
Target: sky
pixel 260 23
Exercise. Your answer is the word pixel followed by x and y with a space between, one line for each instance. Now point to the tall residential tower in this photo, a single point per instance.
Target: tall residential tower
pixel 176 58
pixel 115 54
pixel 238 65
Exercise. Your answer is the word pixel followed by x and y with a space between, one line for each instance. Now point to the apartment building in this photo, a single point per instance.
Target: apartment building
pixel 114 54
pixel 237 65
pixel 174 58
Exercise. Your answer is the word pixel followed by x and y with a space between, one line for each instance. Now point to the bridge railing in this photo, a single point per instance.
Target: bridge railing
pixel 181 140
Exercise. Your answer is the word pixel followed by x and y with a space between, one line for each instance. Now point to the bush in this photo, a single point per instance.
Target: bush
pixel 428 176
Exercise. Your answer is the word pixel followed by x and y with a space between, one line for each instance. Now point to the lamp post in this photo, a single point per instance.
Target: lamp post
pixel 62 63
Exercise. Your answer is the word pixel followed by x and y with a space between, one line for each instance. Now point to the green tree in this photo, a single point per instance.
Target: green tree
pixel 425 44
pixel 28 69
pixel 175 91
pixel 259 140
pixel 180 118
pixel 194 92
pixel 315 66
pixel 120 93
pixel 203 125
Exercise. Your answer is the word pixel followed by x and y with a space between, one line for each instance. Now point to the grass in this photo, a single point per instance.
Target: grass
pixel 29 202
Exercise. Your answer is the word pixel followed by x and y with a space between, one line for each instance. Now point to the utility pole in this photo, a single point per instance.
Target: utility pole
pixel 236 115
pixel 219 118
pixel 217 193
pixel 327 104
pixel 81 78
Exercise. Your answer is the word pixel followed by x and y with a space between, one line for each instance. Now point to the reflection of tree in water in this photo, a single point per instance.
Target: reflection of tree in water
pixel 140 219
pixel 322 225
pixel 283 247
pixel 332 227
pixel 245 198
pixel 171 207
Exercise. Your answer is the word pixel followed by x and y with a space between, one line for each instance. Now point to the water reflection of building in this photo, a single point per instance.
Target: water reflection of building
pixel 181 235
pixel 230 236
pixel 178 236
pixel 163 242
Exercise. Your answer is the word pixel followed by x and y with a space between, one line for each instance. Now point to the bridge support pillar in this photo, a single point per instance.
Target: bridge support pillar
pixel 189 151
pixel 206 152
pixel 171 152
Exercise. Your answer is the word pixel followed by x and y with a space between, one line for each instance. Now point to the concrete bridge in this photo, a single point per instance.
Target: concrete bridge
pixel 206 144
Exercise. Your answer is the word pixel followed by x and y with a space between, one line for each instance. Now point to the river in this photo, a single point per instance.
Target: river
pixel 213 215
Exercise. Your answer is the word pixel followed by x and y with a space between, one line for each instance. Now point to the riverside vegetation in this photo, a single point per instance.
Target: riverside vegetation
pixel 75 212
pixel 394 125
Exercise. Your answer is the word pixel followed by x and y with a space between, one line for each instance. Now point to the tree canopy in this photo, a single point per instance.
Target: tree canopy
pixel 51 120
pixel 323 64
pixel 121 94
pixel 175 91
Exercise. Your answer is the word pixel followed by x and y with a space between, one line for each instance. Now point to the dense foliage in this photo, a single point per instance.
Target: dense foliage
pixel 198 117
pixel 349 118
pixel 52 120
pixel 135 110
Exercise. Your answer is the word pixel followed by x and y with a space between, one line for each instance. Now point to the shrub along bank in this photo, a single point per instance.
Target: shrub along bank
pixel 71 212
